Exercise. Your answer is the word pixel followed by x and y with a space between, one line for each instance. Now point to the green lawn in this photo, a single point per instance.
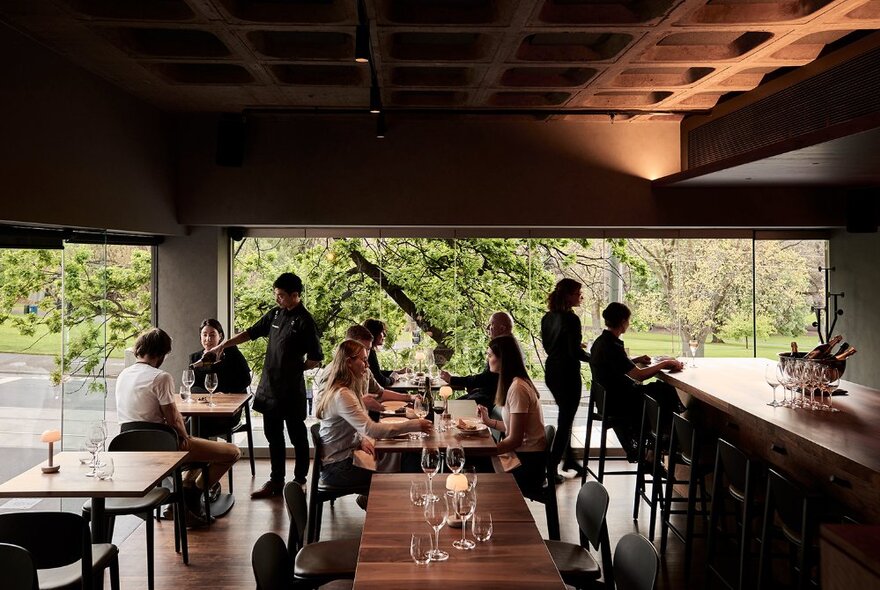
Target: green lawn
pixel 658 343
pixel 42 343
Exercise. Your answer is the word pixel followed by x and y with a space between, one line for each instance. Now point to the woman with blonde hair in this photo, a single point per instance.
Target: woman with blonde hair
pixel 345 425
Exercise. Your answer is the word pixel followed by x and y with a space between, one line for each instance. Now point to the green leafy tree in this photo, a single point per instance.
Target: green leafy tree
pixel 96 297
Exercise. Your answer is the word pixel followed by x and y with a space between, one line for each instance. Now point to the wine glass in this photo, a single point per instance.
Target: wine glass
pixel 830 380
pixel 421 412
pixel 430 465
pixel 189 377
pixel 436 513
pixel 470 472
pixel 482 526
pixel 455 458
pixel 211 386
pixel 771 376
pixel 95 436
pixel 464 503
pixel 811 381
pixel 693 345
pixel 104 468
pixel 417 493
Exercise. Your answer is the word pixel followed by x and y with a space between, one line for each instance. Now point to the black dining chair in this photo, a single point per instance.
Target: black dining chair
pixel 546 494
pixel 243 426
pixel 650 470
pixel 322 561
pixel 320 492
pixel 636 563
pixel 144 441
pixel 17 565
pixel 60 544
pixel 576 565
pixel 273 567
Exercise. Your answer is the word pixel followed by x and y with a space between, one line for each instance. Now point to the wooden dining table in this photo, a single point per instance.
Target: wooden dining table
pixel 835 454
pixel 226 405
pixel 478 443
pixel 515 556
pixel 135 473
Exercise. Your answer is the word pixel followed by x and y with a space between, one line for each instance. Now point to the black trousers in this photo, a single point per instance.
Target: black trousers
pixel 566 390
pixel 273 426
pixel 628 406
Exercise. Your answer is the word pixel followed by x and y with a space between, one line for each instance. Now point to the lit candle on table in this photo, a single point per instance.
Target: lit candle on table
pixel 457 482
pixel 51 437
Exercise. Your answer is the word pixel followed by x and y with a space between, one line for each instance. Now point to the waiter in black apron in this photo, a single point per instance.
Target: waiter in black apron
pixel 281 397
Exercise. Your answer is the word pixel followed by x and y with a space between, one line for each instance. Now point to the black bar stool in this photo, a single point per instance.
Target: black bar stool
pixel 597 411
pixel 650 469
pixel 685 448
pixel 797 512
pixel 735 483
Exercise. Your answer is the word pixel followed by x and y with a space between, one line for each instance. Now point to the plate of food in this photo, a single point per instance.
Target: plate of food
pixel 393 406
pixel 470 426
pixel 394 419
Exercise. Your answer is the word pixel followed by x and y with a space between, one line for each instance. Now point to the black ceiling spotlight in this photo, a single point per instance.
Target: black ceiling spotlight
pixel 375 100
pixel 381 126
pixel 362 44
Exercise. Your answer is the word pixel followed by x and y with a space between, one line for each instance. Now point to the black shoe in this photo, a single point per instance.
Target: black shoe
pixel 214 492
pixel 195 521
pixel 559 479
pixel 300 480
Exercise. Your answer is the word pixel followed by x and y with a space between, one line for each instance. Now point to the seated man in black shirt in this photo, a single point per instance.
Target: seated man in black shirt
pixel 621 378
pixel 482 386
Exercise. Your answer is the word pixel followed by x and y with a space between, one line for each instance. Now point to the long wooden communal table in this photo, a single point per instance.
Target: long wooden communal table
pixel 837 454
pixel 480 443
pixel 135 474
pixel 515 556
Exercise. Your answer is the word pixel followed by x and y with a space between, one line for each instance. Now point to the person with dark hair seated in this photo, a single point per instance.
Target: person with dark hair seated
pixel 621 378
pixel 233 375
pixel 523 450
pixel 378 330
pixel 145 393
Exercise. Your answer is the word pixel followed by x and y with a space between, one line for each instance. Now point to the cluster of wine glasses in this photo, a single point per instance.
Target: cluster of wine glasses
pixel 438 509
pixel 801 380
pixel 100 463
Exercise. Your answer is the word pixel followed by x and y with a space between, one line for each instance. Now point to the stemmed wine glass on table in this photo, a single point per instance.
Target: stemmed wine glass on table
pixel 436 513
pixel 693 345
pixel 211 385
pixel 420 411
pixel 463 504
pixel 95 436
pixel 430 465
pixel 830 381
pixel 189 377
pixel 772 377
pixel 455 458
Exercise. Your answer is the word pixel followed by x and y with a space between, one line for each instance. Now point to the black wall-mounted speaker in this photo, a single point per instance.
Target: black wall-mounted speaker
pixel 230 140
pixel 862 210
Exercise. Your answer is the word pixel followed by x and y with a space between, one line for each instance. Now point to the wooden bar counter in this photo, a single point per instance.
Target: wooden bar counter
pixel 836 454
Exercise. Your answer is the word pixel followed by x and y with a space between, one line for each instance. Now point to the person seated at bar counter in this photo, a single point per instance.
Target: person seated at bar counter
pixel 377 331
pixel 374 393
pixel 523 450
pixel 233 375
pixel 345 425
pixel 145 393
pixel 621 378
pixel 482 387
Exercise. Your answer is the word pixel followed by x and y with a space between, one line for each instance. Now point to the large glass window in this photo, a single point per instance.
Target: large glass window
pixel 438 293
pixel 66 318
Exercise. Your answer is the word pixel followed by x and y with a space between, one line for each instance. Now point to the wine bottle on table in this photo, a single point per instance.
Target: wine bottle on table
pixel 428 398
pixel 842 356
pixel 843 347
pixel 824 350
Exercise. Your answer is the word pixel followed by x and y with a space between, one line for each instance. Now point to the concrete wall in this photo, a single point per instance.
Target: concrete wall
pixel 324 170
pixel 76 151
pixel 857 274
pixel 193 284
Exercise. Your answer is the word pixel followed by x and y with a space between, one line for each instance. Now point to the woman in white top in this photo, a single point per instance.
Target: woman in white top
pixel 523 420
pixel 345 424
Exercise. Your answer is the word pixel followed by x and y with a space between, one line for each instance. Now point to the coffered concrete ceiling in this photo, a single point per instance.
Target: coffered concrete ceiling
pixel 637 58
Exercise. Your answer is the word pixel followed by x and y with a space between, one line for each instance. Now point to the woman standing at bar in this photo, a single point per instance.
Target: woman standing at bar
pixel 561 337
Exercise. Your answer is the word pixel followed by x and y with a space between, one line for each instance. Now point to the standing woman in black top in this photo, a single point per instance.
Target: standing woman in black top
pixel 561 337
